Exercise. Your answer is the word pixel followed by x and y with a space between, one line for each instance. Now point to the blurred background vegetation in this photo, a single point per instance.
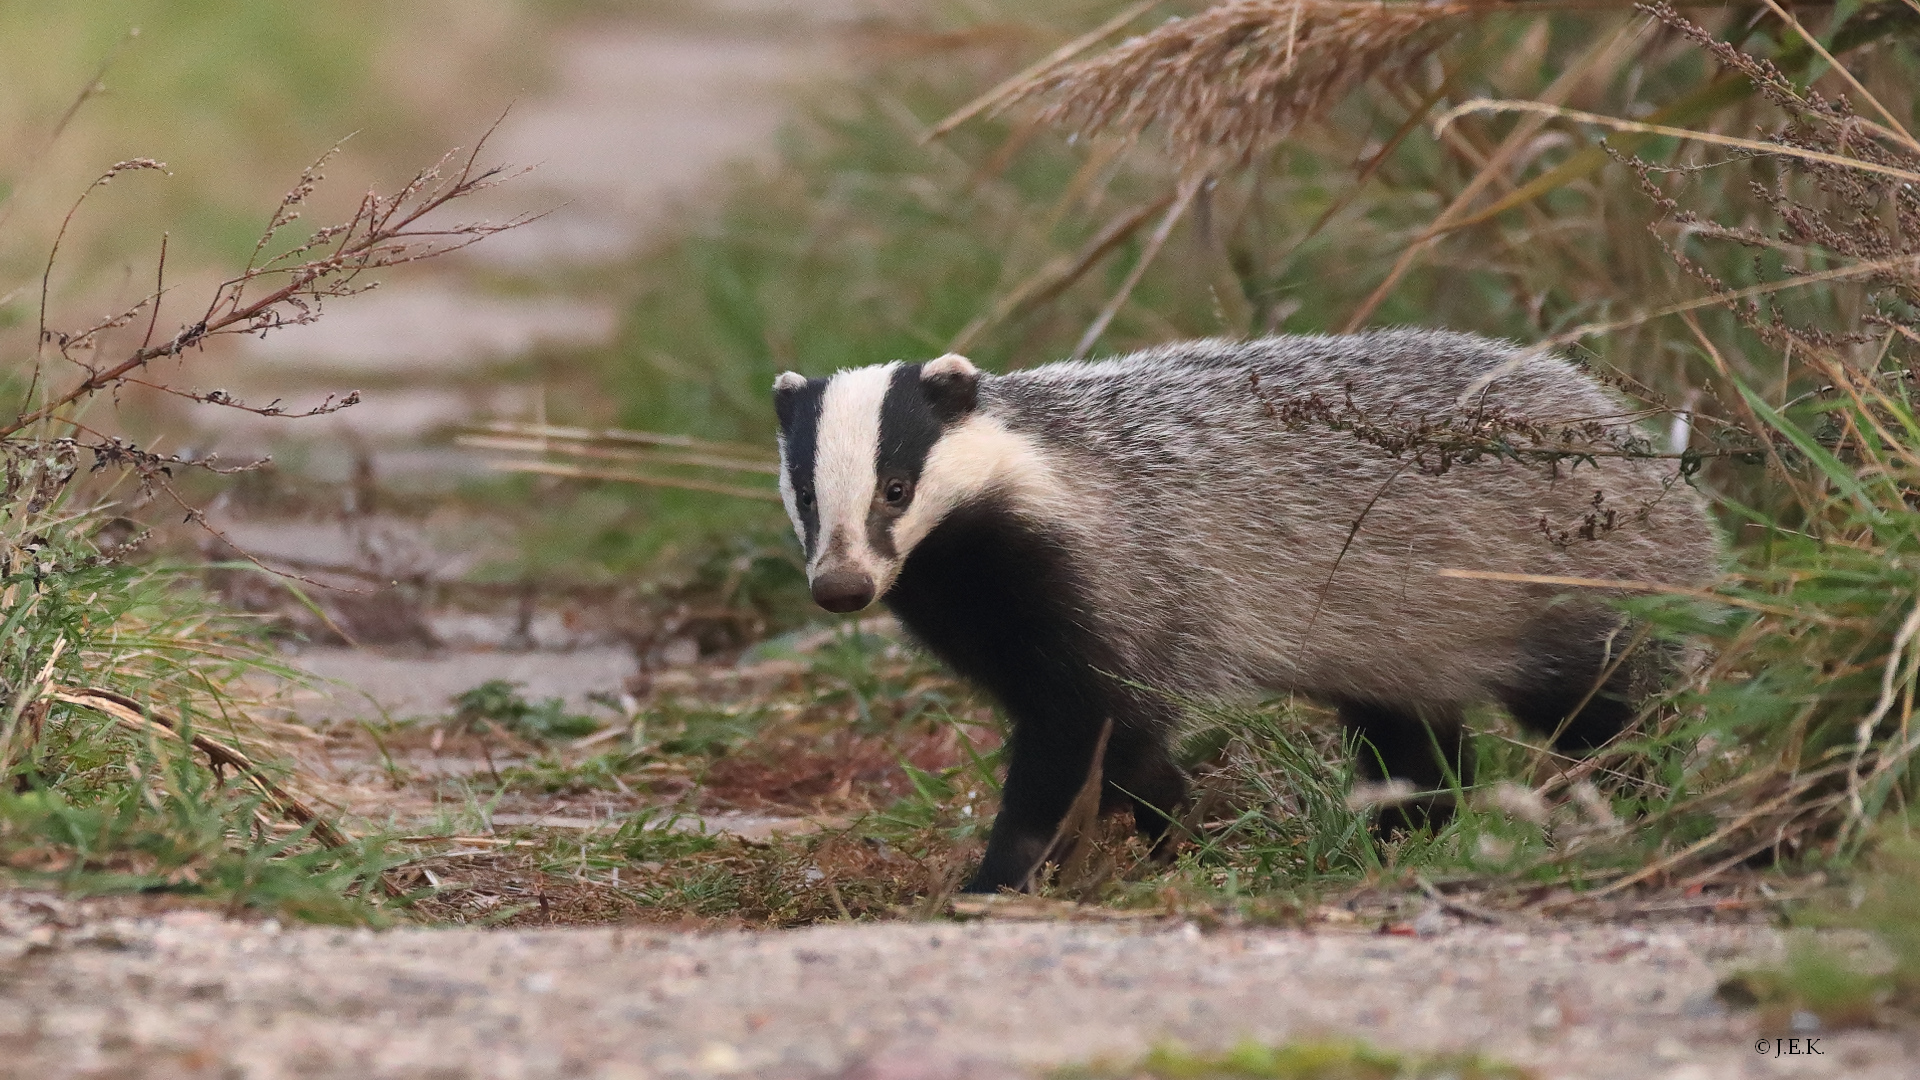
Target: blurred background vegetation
pixel 236 98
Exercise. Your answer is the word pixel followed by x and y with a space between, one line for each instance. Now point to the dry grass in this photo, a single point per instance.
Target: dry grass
pixel 1229 84
pixel 650 459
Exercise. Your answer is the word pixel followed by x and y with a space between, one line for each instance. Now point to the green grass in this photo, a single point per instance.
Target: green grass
pixel 499 703
pixel 1305 1059
pixel 1848 987
pixel 236 97
pixel 167 829
pixel 93 808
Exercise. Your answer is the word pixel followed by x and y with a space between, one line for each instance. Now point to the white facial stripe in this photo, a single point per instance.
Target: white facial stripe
pixel 843 466
pixel 975 456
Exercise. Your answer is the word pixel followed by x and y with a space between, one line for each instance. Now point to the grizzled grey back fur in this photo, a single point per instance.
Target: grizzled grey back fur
pixel 1215 528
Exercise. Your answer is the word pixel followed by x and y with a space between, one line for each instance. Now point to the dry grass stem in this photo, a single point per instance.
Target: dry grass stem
pixel 1004 92
pixel 1603 57
pixel 1620 585
pixel 605 453
pixel 1155 241
pixel 143 720
pixel 1487 105
pixel 1899 130
pixel 1747 415
pixel 749 455
pixel 1059 274
pixel 1858 270
pixel 1364 173
pixel 579 472
pixel 1073 840
pixel 582 452
pixel 1898 660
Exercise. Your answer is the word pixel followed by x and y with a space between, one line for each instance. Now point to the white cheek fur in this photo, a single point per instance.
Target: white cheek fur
pixel 974 457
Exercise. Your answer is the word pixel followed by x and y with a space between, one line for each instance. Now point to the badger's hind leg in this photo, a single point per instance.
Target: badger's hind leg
pixel 1140 775
pixel 1581 685
pixel 1425 747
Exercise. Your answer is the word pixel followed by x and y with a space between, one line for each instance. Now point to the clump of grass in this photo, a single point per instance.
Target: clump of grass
pixel 553 774
pixel 1302 1060
pixel 791 881
pixel 1841 987
pixel 682 729
pixel 1272 810
pixel 115 676
pixel 93 806
pixel 498 702
pixel 170 828
pixel 1796 741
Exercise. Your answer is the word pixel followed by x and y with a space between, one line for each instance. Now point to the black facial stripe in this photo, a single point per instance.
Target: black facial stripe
pixel 799 412
pixel 908 427
pixel 908 430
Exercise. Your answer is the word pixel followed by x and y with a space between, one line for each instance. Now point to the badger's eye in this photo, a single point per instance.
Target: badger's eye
pixel 897 491
pixel 804 496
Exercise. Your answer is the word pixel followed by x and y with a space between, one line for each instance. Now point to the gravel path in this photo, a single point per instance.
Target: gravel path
pixel 187 994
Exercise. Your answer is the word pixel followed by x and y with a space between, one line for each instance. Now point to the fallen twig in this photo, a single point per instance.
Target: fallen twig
pixel 1462 907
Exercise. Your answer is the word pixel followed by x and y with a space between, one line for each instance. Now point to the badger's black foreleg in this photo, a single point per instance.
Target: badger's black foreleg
pixel 1047 766
pixel 1047 763
pixel 1426 748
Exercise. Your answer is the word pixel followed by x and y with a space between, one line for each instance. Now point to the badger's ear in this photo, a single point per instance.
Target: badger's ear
pixel 952 386
pixel 786 395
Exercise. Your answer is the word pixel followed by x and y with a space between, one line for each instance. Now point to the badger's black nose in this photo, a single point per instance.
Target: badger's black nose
pixel 842 591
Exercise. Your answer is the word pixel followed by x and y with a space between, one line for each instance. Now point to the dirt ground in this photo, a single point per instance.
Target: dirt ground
pixel 189 994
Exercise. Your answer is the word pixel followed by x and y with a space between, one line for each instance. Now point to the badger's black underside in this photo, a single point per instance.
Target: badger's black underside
pixel 1004 604
pixel 1001 602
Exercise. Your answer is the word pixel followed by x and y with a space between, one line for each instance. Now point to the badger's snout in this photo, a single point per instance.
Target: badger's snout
pixel 842 591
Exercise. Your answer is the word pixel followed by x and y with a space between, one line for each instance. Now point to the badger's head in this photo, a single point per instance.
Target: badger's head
pixel 860 473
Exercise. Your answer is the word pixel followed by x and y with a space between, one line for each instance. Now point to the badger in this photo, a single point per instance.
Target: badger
pixel 1095 543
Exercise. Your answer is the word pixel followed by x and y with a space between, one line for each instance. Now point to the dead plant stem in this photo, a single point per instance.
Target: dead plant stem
pixel 1183 198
